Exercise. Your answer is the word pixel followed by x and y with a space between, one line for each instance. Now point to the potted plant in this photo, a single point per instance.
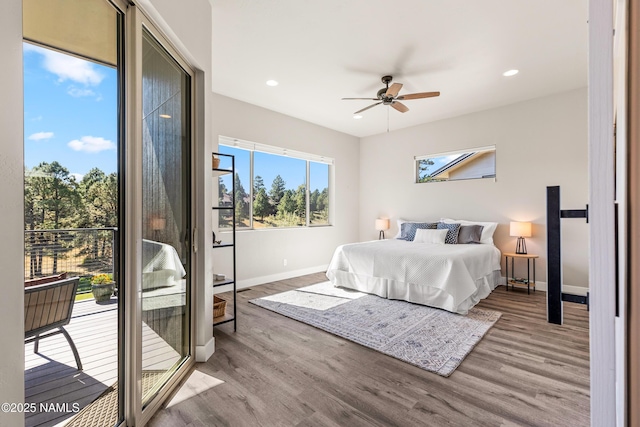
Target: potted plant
pixel 102 286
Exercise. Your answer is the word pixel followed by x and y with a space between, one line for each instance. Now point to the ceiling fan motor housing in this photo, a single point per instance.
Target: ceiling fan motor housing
pixel 389 96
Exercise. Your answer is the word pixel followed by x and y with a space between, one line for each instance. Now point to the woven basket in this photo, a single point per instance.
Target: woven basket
pixel 215 163
pixel 219 306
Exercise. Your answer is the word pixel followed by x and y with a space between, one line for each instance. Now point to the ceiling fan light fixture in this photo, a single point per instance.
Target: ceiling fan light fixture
pixel 510 73
pixel 272 83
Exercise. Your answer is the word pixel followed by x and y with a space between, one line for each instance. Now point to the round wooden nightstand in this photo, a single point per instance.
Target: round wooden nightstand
pixel 516 281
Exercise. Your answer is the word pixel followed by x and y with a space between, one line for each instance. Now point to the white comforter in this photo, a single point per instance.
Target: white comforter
pixel 451 277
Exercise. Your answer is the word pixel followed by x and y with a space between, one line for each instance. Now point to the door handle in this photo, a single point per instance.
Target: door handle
pixel 195 240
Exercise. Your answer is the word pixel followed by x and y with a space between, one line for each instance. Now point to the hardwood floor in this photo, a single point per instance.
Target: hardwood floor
pixel 275 371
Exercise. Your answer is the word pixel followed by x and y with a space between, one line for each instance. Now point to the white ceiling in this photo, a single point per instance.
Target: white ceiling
pixel 323 50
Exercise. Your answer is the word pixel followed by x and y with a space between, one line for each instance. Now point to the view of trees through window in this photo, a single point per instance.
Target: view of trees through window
pixel 276 194
pixel 70 151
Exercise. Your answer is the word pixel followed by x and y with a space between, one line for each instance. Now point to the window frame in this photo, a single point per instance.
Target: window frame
pixel 253 147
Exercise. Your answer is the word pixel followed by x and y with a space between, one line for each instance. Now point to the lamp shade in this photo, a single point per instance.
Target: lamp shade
pixel 158 223
pixel 382 224
pixel 520 229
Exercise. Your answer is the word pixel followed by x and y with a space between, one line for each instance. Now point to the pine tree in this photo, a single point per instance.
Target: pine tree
pixel 301 201
pixel 261 205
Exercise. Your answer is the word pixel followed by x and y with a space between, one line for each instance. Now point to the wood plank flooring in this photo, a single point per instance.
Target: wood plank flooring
pixel 275 371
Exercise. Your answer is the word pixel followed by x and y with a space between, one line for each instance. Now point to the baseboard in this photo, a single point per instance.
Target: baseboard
pixel 255 281
pixel 204 352
pixel 567 289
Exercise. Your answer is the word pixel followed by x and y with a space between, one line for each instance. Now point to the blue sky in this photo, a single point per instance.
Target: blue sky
pixel 70 111
pixel 70 108
pixel 268 166
pixel 438 162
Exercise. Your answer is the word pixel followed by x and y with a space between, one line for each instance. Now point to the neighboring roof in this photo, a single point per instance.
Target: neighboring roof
pixel 453 164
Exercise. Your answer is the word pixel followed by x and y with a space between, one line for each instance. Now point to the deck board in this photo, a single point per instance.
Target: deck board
pixel 52 375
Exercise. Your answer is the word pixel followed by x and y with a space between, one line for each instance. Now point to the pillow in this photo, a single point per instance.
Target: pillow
pixel 487 231
pixel 470 234
pixel 452 232
pixel 425 235
pixel 408 229
pixel 403 221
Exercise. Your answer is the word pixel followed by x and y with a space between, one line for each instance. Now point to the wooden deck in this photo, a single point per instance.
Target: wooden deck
pixel 51 377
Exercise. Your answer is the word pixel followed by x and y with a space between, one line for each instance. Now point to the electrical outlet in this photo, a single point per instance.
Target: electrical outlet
pixel 284 262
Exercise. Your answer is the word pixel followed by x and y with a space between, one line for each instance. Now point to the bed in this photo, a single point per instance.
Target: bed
pixel 453 277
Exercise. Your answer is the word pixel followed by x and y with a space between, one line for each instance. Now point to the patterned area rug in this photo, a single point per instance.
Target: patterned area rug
pixel 429 338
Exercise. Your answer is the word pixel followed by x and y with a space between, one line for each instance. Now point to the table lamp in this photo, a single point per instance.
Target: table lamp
pixel 520 230
pixel 382 224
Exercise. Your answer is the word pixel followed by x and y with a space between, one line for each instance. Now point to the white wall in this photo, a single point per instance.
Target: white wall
pixel 11 212
pixel 260 253
pixel 539 143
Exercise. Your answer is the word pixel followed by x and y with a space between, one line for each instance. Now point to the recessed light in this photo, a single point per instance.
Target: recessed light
pixel 272 83
pixel 165 116
pixel 510 73
pixel 357 116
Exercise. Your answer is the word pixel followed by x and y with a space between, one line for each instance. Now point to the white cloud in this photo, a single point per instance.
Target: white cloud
pixel 77 176
pixel 77 92
pixel 91 144
pixel 39 136
pixel 67 67
pixel 28 47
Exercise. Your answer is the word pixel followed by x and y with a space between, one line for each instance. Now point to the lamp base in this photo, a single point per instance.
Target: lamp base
pixel 381 235
pixel 521 246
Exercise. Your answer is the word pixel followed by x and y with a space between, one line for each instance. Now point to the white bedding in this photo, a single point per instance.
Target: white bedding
pixel 451 277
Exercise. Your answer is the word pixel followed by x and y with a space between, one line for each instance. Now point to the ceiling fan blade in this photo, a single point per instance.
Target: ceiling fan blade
pixel 393 90
pixel 418 95
pixel 400 106
pixel 366 108
pixel 368 99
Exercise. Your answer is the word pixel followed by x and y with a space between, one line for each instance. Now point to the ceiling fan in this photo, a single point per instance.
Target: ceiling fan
pixel 389 96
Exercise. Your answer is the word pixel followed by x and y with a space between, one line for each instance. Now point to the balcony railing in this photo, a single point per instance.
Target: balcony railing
pixel 81 252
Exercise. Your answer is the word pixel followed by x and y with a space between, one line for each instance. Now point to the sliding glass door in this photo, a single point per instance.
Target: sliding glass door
pixel 110 99
pixel 166 215
pixel 74 145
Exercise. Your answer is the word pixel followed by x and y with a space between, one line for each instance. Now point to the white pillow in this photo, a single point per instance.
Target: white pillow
pixel 400 221
pixel 487 231
pixel 424 235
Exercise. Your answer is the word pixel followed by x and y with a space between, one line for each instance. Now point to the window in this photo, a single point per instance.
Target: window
pixel 474 163
pixel 242 180
pixel 274 187
pixel 283 180
pixel 318 193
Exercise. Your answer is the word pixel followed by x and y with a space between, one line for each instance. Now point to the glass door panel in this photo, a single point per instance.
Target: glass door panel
pixel 73 144
pixel 166 215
